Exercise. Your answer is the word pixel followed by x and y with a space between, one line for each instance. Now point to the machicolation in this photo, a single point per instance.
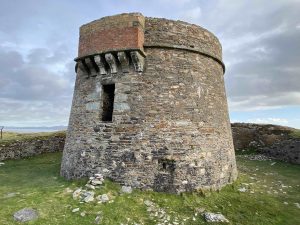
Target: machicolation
pixel 149 107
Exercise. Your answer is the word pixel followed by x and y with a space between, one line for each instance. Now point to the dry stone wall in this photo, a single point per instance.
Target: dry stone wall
pixel 17 149
pixel 272 140
pixel 170 129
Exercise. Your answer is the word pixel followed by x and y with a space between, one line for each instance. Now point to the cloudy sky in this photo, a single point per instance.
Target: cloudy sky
pixel 261 49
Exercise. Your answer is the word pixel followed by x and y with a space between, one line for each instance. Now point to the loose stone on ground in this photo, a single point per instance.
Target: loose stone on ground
pixel 11 194
pixel 76 193
pixel 242 189
pixel 75 210
pixel 26 214
pixel 126 189
pixel 215 217
pixel 102 198
pixel 87 196
pixel 258 157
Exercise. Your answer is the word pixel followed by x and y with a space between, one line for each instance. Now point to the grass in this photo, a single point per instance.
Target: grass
pixel 295 133
pixel 8 137
pixel 37 182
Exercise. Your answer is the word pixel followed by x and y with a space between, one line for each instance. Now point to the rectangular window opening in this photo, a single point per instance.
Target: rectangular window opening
pixel 108 96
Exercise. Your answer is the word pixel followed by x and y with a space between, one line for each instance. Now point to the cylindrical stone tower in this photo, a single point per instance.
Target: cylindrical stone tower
pixel 149 107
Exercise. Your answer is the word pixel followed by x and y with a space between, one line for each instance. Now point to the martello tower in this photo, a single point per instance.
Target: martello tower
pixel 149 107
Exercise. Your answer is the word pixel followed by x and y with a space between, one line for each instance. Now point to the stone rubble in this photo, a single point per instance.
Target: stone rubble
pixel 215 218
pixel 98 218
pixel 96 181
pixel 156 213
pixel 126 189
pixel 11 194
pixel 258 157
pixel 75 210
pixel 26 214
pixel 76 193
pixel 159 214
pixel 87 196
pixel 102 198
pixel 242 189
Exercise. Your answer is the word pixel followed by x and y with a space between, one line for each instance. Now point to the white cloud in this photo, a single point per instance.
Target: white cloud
pixel 192 15
pixel 264 102
pixel 270 120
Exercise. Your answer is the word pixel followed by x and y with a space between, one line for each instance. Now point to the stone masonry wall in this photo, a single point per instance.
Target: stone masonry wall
pixel 181 35
pixel 272 140
pixel 170 129
pixel 25 148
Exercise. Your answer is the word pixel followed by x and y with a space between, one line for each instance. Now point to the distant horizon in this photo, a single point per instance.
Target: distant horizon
pixel 64 127
pixel 34 127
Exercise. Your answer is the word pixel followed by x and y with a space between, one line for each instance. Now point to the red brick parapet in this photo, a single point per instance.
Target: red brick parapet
pixel 112 34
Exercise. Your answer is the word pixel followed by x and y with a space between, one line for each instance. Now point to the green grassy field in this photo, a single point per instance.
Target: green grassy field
pixel 8 137
pixel 272 191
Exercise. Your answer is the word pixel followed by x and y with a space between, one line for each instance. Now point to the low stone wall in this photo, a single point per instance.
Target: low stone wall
pixel 271 140
pixel 30 147
pixel 287 150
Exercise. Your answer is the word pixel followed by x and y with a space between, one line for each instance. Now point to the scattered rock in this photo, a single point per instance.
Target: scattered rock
pixel 98 219
pixel 76 193
pixel 103 198
pixel 83 213
pixel 87 196
pixel 2 163
pixel 26 214
pixel 273 163
pixel 126 189
pixel 257 157
pixel 242 189
pixel 159 214
pixel 12 194
pixel 75 210
pixel 96 180
pixel 148 203
pixel 90 186
pixel 297 205
pixel 215 217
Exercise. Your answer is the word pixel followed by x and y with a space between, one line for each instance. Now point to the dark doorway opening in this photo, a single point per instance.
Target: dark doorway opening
pixel 108 102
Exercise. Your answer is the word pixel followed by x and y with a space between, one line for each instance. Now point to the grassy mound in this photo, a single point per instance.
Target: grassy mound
pixel 271 193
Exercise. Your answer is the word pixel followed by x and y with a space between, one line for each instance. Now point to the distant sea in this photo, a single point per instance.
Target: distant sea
pixel 34 129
